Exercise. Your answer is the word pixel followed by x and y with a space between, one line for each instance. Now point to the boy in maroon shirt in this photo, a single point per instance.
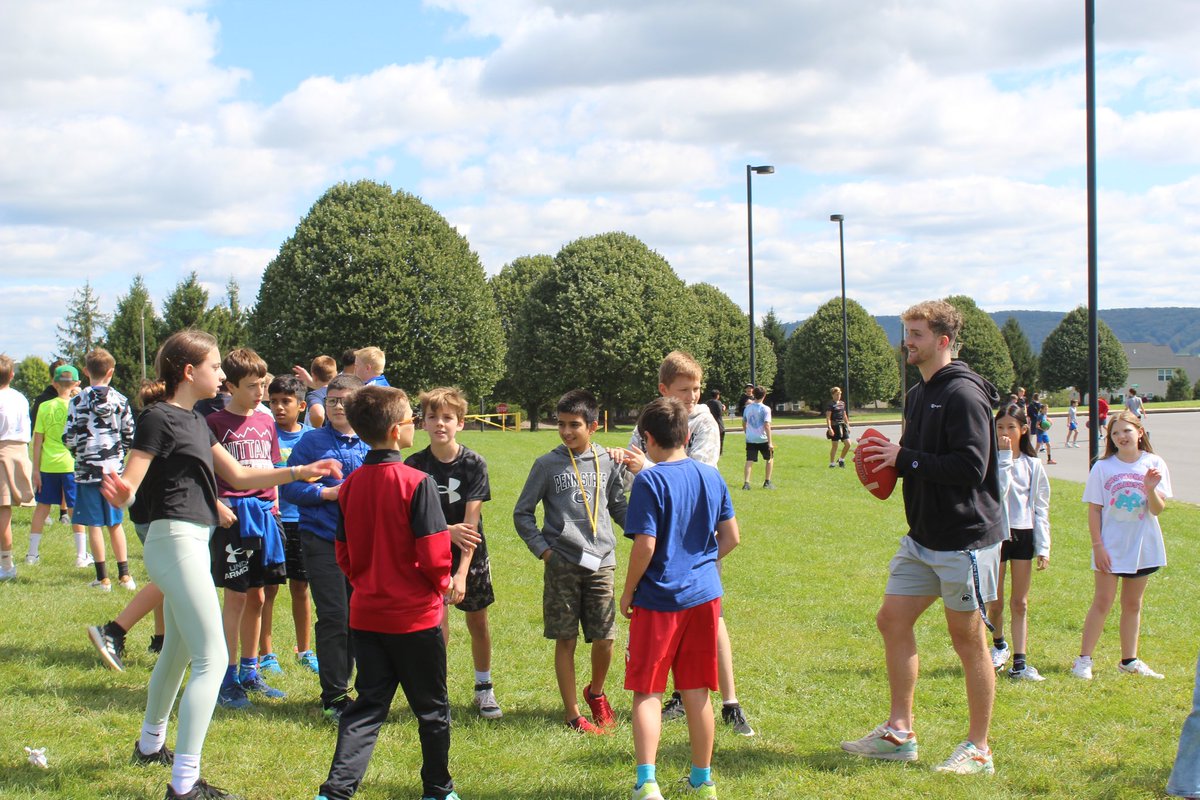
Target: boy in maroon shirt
pixel 394 547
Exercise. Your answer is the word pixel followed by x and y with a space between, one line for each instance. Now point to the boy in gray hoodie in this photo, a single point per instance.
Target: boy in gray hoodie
pixel 581 491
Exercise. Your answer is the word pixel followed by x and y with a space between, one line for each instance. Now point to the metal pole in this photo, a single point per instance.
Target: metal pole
pixel 845 330
pixel 142 319
pixel 903 377
pixel 750 262
pixel 1093 280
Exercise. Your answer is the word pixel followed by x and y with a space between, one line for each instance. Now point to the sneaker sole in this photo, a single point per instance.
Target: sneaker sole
pixel 96 636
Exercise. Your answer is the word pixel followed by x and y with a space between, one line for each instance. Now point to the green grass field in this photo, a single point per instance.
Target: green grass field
pixel 802 591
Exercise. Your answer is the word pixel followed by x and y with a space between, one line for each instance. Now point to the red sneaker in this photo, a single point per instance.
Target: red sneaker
pixel 602 712
pixel 581 724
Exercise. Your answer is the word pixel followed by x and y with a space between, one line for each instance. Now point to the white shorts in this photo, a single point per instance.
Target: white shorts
pixel 917 571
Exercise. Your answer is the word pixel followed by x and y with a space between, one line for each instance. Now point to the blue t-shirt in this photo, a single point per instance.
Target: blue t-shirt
pixel 755 418
pixel 314 398
pixel 679 503
pixel 288 512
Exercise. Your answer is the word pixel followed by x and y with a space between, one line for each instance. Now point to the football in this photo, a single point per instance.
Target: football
pixel 879 482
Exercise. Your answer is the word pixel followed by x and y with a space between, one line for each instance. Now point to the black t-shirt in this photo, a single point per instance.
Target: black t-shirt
pixel 458 482
pixel 718 411
pixel 837 412
pixel 180 483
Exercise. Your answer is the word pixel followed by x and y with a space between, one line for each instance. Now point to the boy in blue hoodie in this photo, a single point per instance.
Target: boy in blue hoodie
pixel 318 527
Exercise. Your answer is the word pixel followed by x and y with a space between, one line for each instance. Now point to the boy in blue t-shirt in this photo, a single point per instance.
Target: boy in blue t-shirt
pixel 286 398
pixel 673 591
pixel 756 419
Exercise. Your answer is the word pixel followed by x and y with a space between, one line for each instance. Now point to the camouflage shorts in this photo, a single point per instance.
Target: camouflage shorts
pixel 480 594
pixel 573 595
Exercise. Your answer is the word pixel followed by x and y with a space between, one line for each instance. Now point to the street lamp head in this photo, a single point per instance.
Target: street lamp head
pixel 836 218
pixel 766 169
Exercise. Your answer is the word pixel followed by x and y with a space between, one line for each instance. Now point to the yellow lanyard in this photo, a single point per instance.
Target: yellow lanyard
pixel 594 511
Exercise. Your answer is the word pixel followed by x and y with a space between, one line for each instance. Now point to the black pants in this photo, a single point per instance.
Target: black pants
pixel 331 595
pixel 416 662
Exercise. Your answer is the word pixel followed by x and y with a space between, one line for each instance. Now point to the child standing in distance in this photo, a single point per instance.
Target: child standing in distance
pixel 16 481
pixel 1072 425
pixel 580 489
pixel 286 396
pixel 672 592
pixel 757 422
pixel 318 527
pixel 393 545
pixel 1042 423
pixel 175 461
pixel 462 481
pixel 1027 501
pixel 1126 491
pixel 99 432
pixel 248 555
pixel 368 366
pixel 316 378
pixel 680 376
pixel 53 466
pixel 837 427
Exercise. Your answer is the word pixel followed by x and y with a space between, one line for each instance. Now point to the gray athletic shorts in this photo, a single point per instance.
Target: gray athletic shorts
pixel 917 571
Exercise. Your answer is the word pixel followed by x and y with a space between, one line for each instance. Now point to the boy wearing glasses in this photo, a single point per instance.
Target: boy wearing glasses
pixel 462 482
pixel 318 506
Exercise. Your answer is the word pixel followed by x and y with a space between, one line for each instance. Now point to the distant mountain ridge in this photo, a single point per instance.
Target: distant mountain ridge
pixel 1177 327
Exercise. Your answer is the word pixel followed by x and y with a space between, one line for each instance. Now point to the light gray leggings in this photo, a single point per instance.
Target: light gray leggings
pixel 176 556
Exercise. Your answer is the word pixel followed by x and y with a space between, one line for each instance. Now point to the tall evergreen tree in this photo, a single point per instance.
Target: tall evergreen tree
pixel 772 328
pixel 83 328
pixel 981 345
pixel 229 321
pixel 1024 362
pixel 134 316
pixel 185 307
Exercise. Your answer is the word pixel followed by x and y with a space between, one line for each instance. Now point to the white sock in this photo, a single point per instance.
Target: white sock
pixel 81 545
pixel 153 738
pixel 185 773
pixel 35 541
pixel 6 559
pixel 483 677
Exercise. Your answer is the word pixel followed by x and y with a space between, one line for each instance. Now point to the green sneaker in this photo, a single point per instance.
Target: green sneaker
pixel 884 743
pixel 647 791
pixel 967 759
pixel 708 789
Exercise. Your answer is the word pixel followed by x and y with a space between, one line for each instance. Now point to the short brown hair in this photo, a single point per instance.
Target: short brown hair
pixel 373 410
pixel 323 368
pixel 444 397
pixel 677 364
pixel 6 369
pixel 666 420
pixel 943 318
pixel 98 362
pixel 242 363
pixel 370 357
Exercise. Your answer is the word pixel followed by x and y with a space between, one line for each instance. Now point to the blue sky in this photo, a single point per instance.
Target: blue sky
pixel 178 135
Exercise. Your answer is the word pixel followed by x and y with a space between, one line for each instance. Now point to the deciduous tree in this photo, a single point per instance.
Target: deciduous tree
pixel 30 376
pixel 1064 360
pixel 982 347
pixel 813 363
pixel 511 288
pixel 1180 386
pixel 727 366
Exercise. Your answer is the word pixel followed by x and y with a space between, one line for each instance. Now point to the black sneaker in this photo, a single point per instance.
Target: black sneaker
pixel 673 708
pixel 733 715
pixel 768 485
pixel 156 642
pixel 164 756
pixel 333 711
pixel 200 791
pixel 842 463
pixel 109 641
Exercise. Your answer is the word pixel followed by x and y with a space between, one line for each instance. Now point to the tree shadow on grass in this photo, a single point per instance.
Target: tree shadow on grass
pixel 1116 780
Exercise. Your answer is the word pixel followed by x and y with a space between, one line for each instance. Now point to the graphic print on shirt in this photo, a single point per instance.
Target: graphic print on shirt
pixel 450 491
pixel 1127 496
pixel 251 446
pixel 566 482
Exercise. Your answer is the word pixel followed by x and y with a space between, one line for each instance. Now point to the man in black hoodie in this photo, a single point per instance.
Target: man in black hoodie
pixel 947 458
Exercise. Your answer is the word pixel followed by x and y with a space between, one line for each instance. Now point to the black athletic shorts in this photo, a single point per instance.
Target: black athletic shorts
pixel 1019 547
pixel 293 557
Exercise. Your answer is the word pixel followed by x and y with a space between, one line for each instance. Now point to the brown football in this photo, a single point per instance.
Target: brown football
pixel 880 481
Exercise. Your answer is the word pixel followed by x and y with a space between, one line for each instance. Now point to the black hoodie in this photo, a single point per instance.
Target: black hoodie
pixel 948 461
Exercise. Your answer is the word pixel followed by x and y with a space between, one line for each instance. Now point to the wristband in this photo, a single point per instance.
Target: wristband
pixel 132 499
pixel 292 472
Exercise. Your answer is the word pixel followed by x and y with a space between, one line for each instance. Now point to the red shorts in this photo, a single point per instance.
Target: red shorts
pixel 682 642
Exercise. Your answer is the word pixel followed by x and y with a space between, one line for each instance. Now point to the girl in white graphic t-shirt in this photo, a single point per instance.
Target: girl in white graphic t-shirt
pixel 1126 491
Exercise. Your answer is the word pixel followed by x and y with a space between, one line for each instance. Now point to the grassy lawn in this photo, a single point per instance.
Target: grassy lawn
pixel 802 592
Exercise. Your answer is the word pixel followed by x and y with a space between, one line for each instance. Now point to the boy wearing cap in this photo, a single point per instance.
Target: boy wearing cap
pixel 53 466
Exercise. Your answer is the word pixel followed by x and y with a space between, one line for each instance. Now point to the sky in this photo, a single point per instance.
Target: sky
pixel 169 136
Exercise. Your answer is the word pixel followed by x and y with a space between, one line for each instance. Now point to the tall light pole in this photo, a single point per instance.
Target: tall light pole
pixel 838 218
pixel 750 170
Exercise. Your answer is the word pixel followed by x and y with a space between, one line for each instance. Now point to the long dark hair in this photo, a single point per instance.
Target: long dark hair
pixel 1016 412
pixel 177 352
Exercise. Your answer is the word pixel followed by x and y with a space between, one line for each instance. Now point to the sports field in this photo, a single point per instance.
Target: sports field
pixel 802 591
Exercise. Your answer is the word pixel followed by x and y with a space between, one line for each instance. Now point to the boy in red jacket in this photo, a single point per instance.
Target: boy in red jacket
pixel 393 545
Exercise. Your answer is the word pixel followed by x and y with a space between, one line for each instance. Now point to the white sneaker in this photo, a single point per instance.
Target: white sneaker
pixel 485 699
pixel 128 583
pixel 1082 668
pixel 103 585
pixel 1000 656
pixel 84 561
pixel 1026 674
pixel 967 759
pixel 32 560
pixel 885 744
pixel 1139 667
pixel 8 574
pixel 65 519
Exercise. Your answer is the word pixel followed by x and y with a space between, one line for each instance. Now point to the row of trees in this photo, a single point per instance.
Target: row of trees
pixel 367 265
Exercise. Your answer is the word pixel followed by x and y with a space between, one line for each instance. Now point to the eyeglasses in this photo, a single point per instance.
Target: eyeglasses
pixel 336 401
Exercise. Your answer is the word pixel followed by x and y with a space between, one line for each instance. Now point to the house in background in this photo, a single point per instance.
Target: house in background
pixel 1151 367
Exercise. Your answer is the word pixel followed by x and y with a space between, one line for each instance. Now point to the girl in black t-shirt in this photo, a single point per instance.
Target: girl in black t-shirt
pixel 173 463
